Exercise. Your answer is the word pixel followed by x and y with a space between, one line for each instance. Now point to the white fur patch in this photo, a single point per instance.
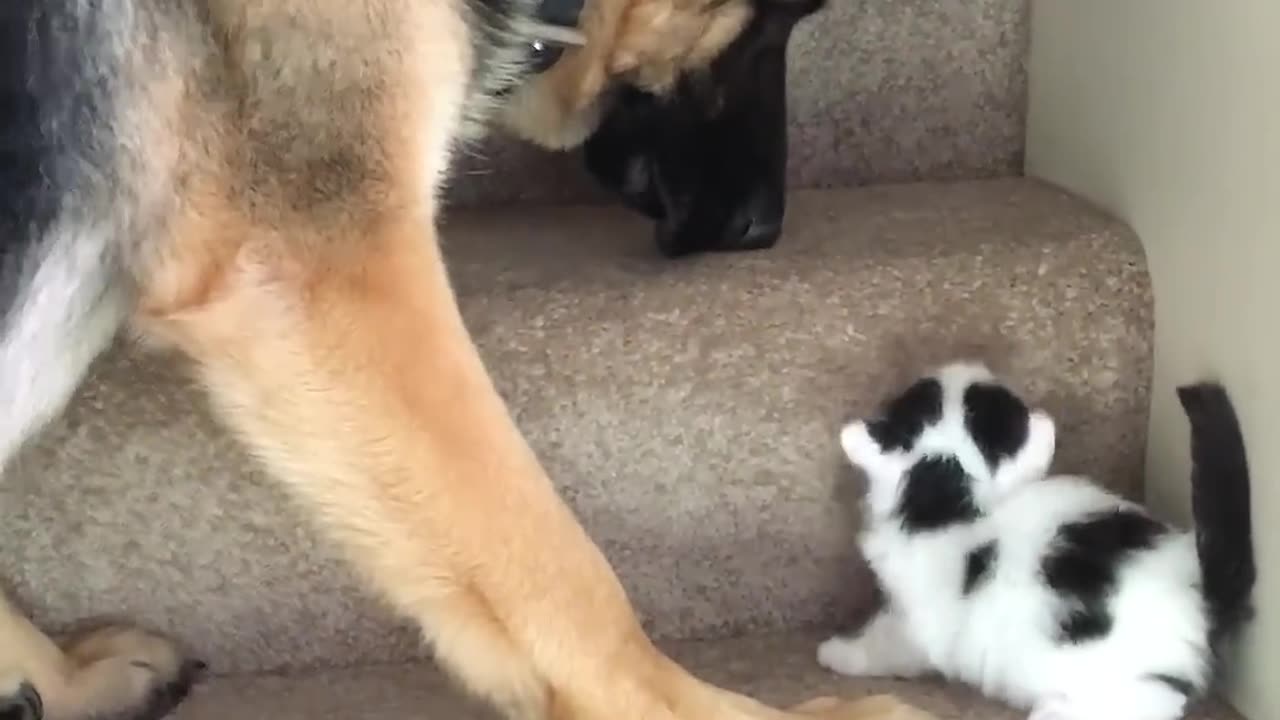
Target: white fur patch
pixel 66 313
pixel 1002 635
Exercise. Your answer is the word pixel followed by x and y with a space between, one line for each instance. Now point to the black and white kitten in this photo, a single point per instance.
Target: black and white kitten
pixel 1047 592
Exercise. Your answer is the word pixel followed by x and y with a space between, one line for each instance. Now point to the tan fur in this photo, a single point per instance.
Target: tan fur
pixel 648 43
pixel 299 272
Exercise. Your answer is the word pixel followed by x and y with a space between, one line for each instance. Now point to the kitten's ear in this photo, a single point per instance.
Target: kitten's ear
pixel 859 447
pixel 1033 460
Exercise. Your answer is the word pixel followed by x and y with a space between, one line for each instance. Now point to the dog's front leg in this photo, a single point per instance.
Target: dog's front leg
pixel 348 370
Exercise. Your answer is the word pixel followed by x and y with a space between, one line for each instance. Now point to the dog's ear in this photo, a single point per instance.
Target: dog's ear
pixel 794 9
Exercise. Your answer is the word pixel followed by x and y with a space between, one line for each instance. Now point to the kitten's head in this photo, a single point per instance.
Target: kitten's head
pixel 948 446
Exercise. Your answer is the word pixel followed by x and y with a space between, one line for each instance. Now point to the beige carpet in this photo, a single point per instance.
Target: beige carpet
pixel 688 410
pixel 778 669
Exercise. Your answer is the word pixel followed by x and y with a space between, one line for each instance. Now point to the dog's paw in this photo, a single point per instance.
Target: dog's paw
pixel 126 673
pixel 19 700
pixel 166 692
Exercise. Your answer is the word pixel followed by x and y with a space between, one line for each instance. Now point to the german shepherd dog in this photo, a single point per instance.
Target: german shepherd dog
pixel 254 185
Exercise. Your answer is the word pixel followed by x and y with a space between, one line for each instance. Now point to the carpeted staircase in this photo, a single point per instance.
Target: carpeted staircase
pixel 687 409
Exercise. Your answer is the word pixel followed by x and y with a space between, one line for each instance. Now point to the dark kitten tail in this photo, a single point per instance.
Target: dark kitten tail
pixel 1220 502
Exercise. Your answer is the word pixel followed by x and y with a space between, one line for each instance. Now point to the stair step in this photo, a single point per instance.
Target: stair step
pixel 778 669
pixel 688 410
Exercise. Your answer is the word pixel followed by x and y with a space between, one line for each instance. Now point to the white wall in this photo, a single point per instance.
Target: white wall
pixel 1167 113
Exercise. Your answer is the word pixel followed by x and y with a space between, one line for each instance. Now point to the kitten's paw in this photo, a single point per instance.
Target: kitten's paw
pixel 1057 707
pixel 845 655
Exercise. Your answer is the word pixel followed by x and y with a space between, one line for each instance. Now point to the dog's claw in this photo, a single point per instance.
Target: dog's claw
pixel 24 704
pixel 164 698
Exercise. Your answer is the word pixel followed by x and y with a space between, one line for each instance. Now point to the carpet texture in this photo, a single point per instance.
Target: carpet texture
pixel 688 410
pixel 777 669
pixel 880 91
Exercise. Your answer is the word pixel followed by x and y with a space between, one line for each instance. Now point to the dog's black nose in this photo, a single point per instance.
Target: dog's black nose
pixel 761 234
pixel 757 225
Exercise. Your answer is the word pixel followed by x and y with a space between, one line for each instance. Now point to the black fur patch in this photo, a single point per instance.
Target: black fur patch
pixel 1083 562
pixel 27 201
pixel 51 100
pixel 1221 505
pixel 907 415
pixel 708 160
pixel 996 419
pixel 494 28
pixel 936 495
pixel 1182 686
pixel 1090 620
pixel 977 566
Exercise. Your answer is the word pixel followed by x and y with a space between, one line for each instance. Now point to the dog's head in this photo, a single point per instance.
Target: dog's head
pixel 682 113
pixel 949 446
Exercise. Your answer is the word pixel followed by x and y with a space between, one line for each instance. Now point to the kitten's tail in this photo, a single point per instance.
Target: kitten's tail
pixel 1220 503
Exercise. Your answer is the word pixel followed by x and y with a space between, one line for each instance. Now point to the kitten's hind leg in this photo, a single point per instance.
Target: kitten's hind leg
pixel 1145 699
pixel 882 648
